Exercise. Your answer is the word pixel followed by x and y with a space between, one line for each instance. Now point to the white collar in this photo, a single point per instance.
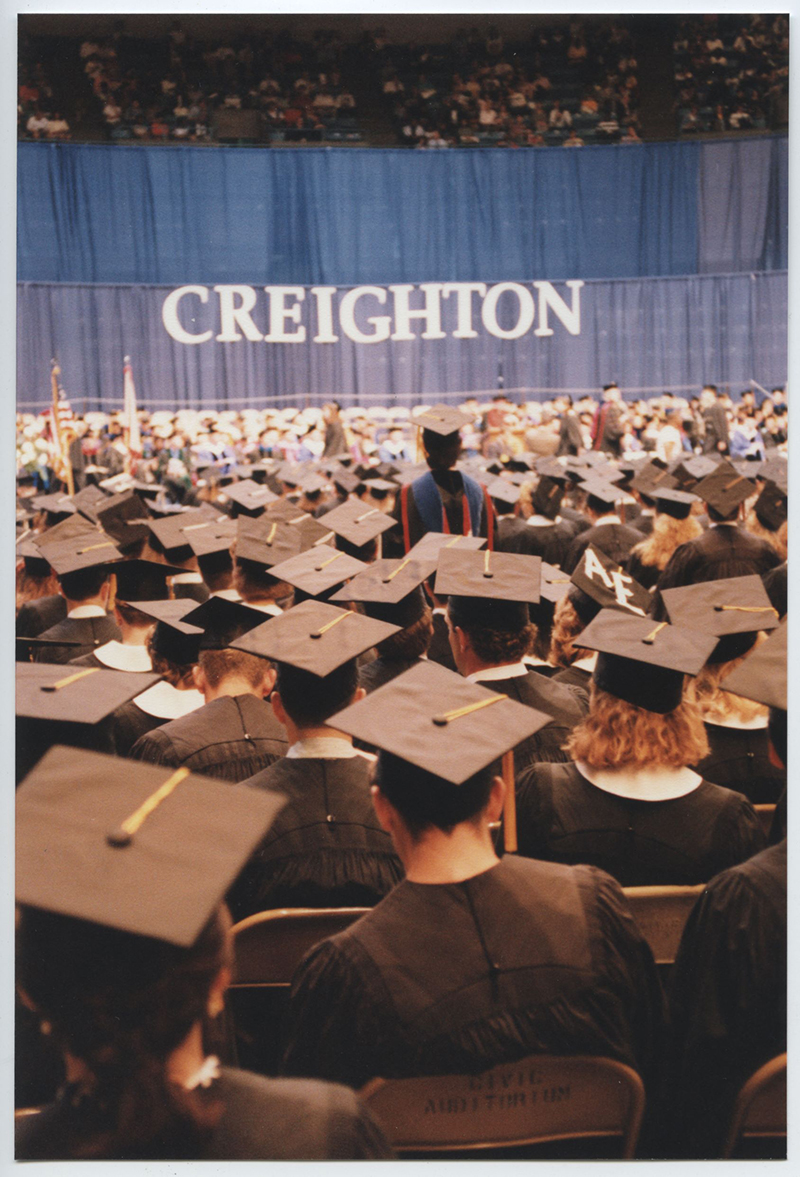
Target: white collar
pixel 647 512
pixel 163 701
pixel 80 612
pixel 322 748
pixel 228 595
pixel 531 660
pixel 187 578
pixel 606 519
pixel 726 523
pixel 643 784
pixel 756 724
pixel 542 521
pixel 586 663
pixel 117 656
pixel 496 673
pixel 270 607
pixel 441 610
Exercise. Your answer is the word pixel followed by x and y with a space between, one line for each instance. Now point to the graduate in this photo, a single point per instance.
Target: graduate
pixel 673 525
pixel 83 565
pixel 606 530
pixel 124 954
pixel 470 960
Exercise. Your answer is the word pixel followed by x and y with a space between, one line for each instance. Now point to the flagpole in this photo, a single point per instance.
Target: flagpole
pixel 65 471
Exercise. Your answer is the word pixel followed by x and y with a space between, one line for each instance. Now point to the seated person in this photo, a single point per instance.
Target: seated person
pixel 470 960
pixel 628 802
pixel 86 589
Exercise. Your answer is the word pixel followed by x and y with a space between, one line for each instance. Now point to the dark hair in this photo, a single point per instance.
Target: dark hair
pixel 366 552
pixel 133 616
pixel 441 452
pixel 122 1004
pixel 598 505
pixel 718 517
pixel 310 700
pixel 777 729
pixel 84 583
pixel 221 664
pixel 411 642
pixel 254 580
pixel 424 800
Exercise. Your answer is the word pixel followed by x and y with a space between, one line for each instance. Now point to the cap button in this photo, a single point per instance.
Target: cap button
pixel 119 838
pixel 330 818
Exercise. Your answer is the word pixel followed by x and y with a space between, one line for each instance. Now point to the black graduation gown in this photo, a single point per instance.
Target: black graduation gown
pixel 575 676
pixel 614 539
pixel 550 542
pixel 565 704
pixel 262 1120
pixel 382 670
pixel 775 582
pixel 508 531
pixel 34 617
pixel 439 649
pixel 89 631
pixel 576 519
pixel 562 817
pixel 230 739
pixel 526 957
pixel 739 759
pixel 728 998
pixel 720 553
pixel 325 847
pixel 570 438
pixel 646 574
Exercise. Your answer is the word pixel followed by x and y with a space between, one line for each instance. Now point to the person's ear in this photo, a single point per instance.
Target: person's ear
pixel 358 696
pixel 199 678
pixel 268 681
pixel 278 709
pixel 384 810
pixel 497 798
pixel 462 639
pixel 216 996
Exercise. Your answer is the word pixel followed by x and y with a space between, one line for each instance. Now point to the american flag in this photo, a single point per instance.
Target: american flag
pixel 62 415
pixel 130 417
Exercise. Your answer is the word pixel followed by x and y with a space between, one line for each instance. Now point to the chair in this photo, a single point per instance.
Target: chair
pixel 760 1108
pixel 765 815
pixel 538 1100
pixel 269 945
pixel 661 913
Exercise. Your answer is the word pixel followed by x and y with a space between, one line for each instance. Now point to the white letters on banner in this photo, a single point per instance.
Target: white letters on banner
pixel 283 314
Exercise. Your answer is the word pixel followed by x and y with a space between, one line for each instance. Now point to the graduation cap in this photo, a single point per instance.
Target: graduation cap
pixel 553 583
pixel 250 497
pixel 599 583
pixel 504 491
pixel 176 641
pixel 310 532
pixel 30 645
pixel 433 542
pixel 143 580
pixel 675 503
pixel 775 469
pixel 378 487
pixel 643 661
pixel 442 419
pixel 771 507
pixel 733 610
pixel 290 474
pixel 169 611
pixel 700 466
pixel 82 551
pixel 54 504
pixel 602 490
pixel 345 481
pixel 124 517
pixel 547 496
pixel 389 590
pixel 315 636
pixel 36 563
pixel 724 489
pixel 358 523
pixel 440 722
pixel 88 501
pixel 318 569
pixel 652 477
pixel 144 849
pixel 284 512
pixel 488 589
pixel 222 622
pixel 63 532
pixel 57 693
pixel 265 542
pixel 313 485
pixel 213 541
pixel 762 676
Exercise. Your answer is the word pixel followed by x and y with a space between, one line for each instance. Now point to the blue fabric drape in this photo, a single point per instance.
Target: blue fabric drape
pixel 645 333
pixel 743 216
pixel 97 213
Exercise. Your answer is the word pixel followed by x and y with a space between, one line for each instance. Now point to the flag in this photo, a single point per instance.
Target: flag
pixel 129 415
pixel 61 429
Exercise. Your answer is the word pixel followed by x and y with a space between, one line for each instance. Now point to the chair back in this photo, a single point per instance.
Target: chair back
pixel 539 1099
pixel 766 813
pixel 269 945
pixel 760 1108
pixel 661 913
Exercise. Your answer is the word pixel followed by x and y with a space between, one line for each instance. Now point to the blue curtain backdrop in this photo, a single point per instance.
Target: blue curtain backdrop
pixel 95 213
pixel 645 333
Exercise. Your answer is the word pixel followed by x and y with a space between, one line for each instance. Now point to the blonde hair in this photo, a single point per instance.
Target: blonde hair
pixel 779 540
pixel 716 704
pixel 567 625
pixel 617 735
pixel 31 588
pixel 668 534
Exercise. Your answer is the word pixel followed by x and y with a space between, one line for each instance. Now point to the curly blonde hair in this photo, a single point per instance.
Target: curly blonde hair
pixel 567 625
pixel 779 540
pixel 667 535
pixel 716 704
pixel 616 735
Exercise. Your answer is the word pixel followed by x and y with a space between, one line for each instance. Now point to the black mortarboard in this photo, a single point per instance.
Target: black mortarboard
pixel 290 474
pixel 643 661
pixel 143 580
pixel 357 523
pixel 599 583
pixel 124 517
pixel 145 849
pixel 733 610
pixel 64 532
pixel 389 590
pixel 724 489
pixel 283 511
pixel 553 584
pixel 214 541
pixel 266 542
pixel 176 641
pixel 775 469
pixel 89 500
pixel 222 622
pixel 172 533
pixel 57 693
pixel 314 636
pixel 547 496
pixel 169 611
pixel 442 419
pixel 318 569
pixel 762 676
pixel 433 542
pixel 82 551
pixel 675 503
pixel 310 531
pixel 652 477
pixel 771 507
pixel 602 490
pixel 344 481
pixel 313 484
pixel 250 497
pixel 505 576
pixel 700 466
pixel 440 722
pixel 54 504
pixel 504 491
pixel 35 561
pixel 378 487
